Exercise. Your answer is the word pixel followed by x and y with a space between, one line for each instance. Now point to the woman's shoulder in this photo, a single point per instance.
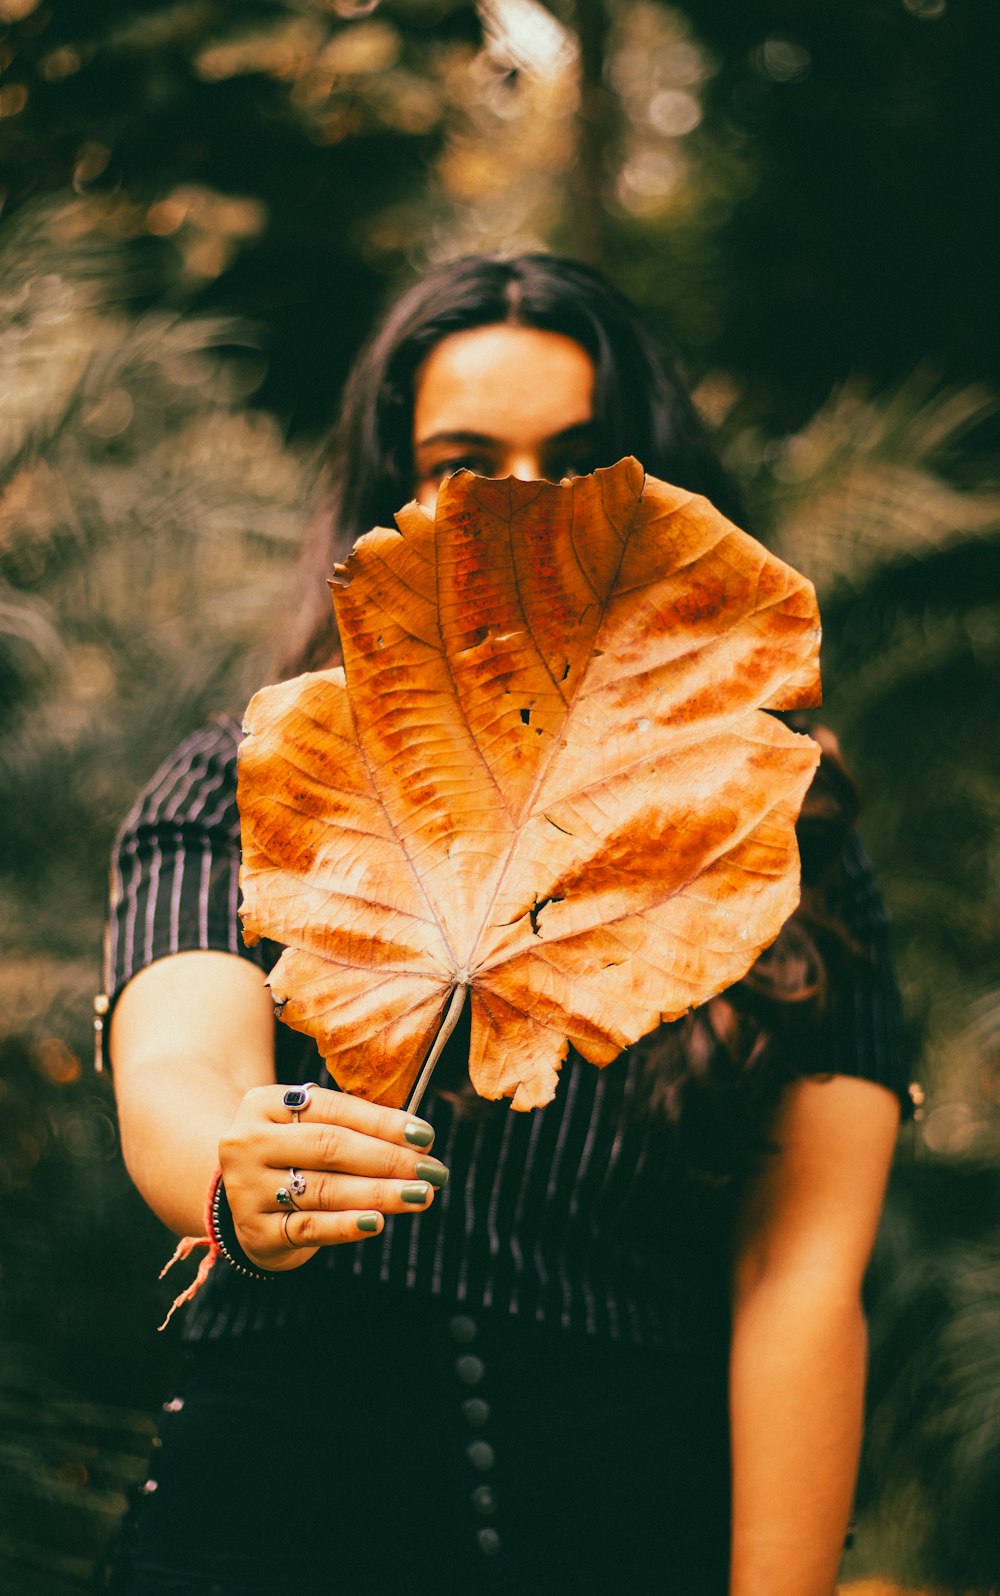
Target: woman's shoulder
pixel 862 904
pixel 174 882
pixel 195 783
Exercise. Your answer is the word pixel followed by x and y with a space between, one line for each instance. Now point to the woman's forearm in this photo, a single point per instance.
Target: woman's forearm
pixel 805 1231
pixel 171 1120
pixel 190 1036
pixel 797 1381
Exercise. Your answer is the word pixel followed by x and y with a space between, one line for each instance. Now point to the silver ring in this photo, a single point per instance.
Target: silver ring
pixel 284 1226
pixel 296 1182
pixel 285 1198
pixel 297 1098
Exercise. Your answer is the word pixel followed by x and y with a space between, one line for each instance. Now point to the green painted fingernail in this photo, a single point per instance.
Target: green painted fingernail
pixel 418 1134
pixel 430 1169
pixel 415 1194
pixel 369 1222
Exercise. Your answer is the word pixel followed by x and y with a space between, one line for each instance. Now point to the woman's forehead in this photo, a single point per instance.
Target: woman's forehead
pixel 503 382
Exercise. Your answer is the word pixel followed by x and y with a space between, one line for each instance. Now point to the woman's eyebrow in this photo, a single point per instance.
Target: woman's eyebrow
pixel 481 438
pixel 486 440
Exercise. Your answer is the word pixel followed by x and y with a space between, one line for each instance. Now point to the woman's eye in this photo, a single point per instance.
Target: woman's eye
pixel 575 466
pixel 447 468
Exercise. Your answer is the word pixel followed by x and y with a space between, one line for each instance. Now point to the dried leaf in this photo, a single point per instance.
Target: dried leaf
pixel 547 777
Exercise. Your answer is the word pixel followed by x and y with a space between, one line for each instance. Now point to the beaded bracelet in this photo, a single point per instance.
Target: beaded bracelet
pixel 222 1229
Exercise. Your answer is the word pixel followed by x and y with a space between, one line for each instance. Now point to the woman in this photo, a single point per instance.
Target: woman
pixel 544 1375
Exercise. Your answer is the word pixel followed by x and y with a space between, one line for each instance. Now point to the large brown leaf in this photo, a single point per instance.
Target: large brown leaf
pixel 547 777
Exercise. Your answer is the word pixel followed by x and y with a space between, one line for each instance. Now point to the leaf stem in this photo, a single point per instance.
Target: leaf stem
pixel 455 1008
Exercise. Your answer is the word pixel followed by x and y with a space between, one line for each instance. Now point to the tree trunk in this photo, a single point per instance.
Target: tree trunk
pixel 595 131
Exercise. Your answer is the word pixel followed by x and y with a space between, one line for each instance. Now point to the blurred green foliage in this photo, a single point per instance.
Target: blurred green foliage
pixel 845 227
pixel 204 205
pixel 244 150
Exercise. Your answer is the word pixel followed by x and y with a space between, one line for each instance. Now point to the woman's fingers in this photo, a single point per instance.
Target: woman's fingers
pixel 283 1241
pixel 336 1147
pixel 327 1107
pixel 300 1231
pixel 334 1131
pixel 331 1209
pixel 333 1193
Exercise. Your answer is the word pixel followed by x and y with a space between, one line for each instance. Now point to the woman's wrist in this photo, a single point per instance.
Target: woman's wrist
pixel 222 1227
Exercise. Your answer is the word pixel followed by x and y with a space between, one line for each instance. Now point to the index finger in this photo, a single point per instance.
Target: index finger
pixel 321 1106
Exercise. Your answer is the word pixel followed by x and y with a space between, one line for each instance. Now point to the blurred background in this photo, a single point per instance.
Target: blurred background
pixel 204 204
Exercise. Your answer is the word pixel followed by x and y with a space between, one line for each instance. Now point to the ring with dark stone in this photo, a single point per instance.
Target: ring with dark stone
pixel 297 1098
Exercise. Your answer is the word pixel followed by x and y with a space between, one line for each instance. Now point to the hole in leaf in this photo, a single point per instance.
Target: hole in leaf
pixel 525 717
pixel 534 912
pixel 558 828
pixel 565 672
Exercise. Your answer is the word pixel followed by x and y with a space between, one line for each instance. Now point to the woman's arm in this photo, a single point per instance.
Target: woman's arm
pixel 797 1369
pixel 192 1048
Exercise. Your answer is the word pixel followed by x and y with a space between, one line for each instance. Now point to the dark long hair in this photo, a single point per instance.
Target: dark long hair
pixel 710 1080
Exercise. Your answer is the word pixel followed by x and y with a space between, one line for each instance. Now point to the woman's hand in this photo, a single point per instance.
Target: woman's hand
pixel 192 1046
pixel 358 1162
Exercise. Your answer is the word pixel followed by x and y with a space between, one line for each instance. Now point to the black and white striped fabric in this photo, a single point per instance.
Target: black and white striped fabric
pixel 571 1215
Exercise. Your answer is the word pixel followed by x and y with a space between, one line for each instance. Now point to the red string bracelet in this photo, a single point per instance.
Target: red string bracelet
pixel 186 1246
pixel 221 1240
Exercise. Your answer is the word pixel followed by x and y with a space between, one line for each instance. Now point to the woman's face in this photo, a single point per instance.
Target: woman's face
pixel 503 401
